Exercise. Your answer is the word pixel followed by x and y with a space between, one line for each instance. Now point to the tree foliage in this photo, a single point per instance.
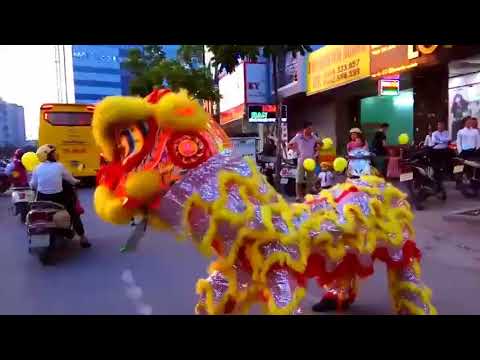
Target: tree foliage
pixel 227 57
pixel 150 68
pixel 191 55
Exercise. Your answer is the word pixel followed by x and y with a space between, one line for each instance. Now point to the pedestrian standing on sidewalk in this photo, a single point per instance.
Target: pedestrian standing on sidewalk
pixel 304 144
pixel 440 154
pixel 379 148
pixel 428 139
pixel 468 141
pixel 325 178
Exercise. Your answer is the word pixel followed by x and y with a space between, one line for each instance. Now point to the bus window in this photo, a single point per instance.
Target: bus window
pixel 69 118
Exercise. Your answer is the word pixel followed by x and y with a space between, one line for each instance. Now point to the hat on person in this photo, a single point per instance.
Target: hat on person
pixel 355 130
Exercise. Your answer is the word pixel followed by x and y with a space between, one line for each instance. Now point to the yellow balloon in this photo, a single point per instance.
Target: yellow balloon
pixel 340 164
pixel 327 143
pixel 30 161
pixel 309 164
pixel 403 139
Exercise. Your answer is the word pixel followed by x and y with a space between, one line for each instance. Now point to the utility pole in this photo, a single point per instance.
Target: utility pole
pixel 58 72
pixel 65 74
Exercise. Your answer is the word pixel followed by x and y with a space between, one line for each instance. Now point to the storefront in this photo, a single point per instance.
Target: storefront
pixel 343 90
pixel 426 69
pixel 338 76
pixel 463 92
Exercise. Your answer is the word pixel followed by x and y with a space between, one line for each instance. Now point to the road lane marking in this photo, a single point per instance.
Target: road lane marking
pixel 135 293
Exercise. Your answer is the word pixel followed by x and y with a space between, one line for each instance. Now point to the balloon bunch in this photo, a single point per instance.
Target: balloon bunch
pixel 30 161
pixel 327 143
pixel 403 139
pixel 339 164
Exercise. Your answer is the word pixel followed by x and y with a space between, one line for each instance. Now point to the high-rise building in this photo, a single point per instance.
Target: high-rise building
pixel 12 124
pixel 98 70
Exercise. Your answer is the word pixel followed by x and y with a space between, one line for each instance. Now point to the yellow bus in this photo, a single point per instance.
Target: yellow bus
pixel 68 127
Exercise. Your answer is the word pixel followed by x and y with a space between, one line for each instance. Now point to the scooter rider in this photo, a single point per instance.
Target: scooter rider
pixel 47 179
pixel 16 171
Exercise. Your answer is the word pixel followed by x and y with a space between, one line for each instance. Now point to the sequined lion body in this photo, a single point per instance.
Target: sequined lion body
pixel 186 180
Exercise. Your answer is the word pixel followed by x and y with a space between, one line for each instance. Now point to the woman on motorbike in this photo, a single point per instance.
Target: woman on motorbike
pixel 357 140
pixel 48 179
pixel 16 171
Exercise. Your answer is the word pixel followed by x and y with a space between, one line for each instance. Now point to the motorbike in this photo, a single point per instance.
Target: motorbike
pixel 267 167
pixel 49 227
pixel 417 174
pixel 468 177
pixel 360 163
pixel 288 174
pixel 21 199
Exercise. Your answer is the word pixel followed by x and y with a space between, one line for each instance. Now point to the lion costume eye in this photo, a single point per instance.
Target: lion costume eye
pixel 131 140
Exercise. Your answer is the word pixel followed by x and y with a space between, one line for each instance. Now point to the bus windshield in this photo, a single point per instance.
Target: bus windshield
pixel 69 118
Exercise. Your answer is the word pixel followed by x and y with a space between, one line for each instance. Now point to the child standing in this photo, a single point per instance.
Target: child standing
pixel 325 177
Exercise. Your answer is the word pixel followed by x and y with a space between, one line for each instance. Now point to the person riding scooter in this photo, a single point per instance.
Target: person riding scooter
pixel 48 179
pixel 16 171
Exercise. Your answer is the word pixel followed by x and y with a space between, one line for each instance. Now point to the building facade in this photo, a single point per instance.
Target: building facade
pixel 98 70
pixel 12 124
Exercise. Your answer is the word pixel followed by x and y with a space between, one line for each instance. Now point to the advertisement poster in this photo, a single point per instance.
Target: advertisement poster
pixel 232 91
pixel 256 89
pixel 288 69
pixel 336 65
pixel 463 101
pixel 394 59
pixel 265 113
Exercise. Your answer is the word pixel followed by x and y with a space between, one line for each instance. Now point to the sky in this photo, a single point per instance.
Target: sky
pixel 28 78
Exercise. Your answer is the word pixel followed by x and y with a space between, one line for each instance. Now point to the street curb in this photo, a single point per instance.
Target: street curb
pixel 459 215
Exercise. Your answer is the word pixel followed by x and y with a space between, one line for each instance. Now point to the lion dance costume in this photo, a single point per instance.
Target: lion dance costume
pixel 169 162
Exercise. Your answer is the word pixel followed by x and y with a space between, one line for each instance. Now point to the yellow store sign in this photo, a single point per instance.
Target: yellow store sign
pixel 336 65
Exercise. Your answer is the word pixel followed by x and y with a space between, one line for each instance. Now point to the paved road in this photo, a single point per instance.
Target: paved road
pixel 90 281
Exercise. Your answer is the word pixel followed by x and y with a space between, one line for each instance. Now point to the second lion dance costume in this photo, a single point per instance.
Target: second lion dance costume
pixel 170 162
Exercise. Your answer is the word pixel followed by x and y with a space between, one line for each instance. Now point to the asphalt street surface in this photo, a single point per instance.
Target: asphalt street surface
pixel 160 276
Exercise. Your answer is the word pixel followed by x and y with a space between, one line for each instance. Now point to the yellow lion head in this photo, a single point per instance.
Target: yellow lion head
pixel 149 144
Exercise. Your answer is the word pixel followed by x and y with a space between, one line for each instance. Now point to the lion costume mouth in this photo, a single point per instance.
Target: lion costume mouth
pixel 149 145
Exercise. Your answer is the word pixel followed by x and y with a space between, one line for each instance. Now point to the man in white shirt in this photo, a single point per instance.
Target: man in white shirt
pixel 440 137
pixel 468 141
pixel 49 179
pixel 440 153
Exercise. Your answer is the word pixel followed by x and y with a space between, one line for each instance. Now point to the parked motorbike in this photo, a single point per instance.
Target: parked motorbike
pixel 49 227
pixel 468 177
pixel 21 199
pixel 288 174
pixel 267 167
pixel 418 175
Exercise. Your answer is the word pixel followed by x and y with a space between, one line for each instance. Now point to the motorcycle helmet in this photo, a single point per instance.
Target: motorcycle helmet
pixel 44 151
pixel 18 154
